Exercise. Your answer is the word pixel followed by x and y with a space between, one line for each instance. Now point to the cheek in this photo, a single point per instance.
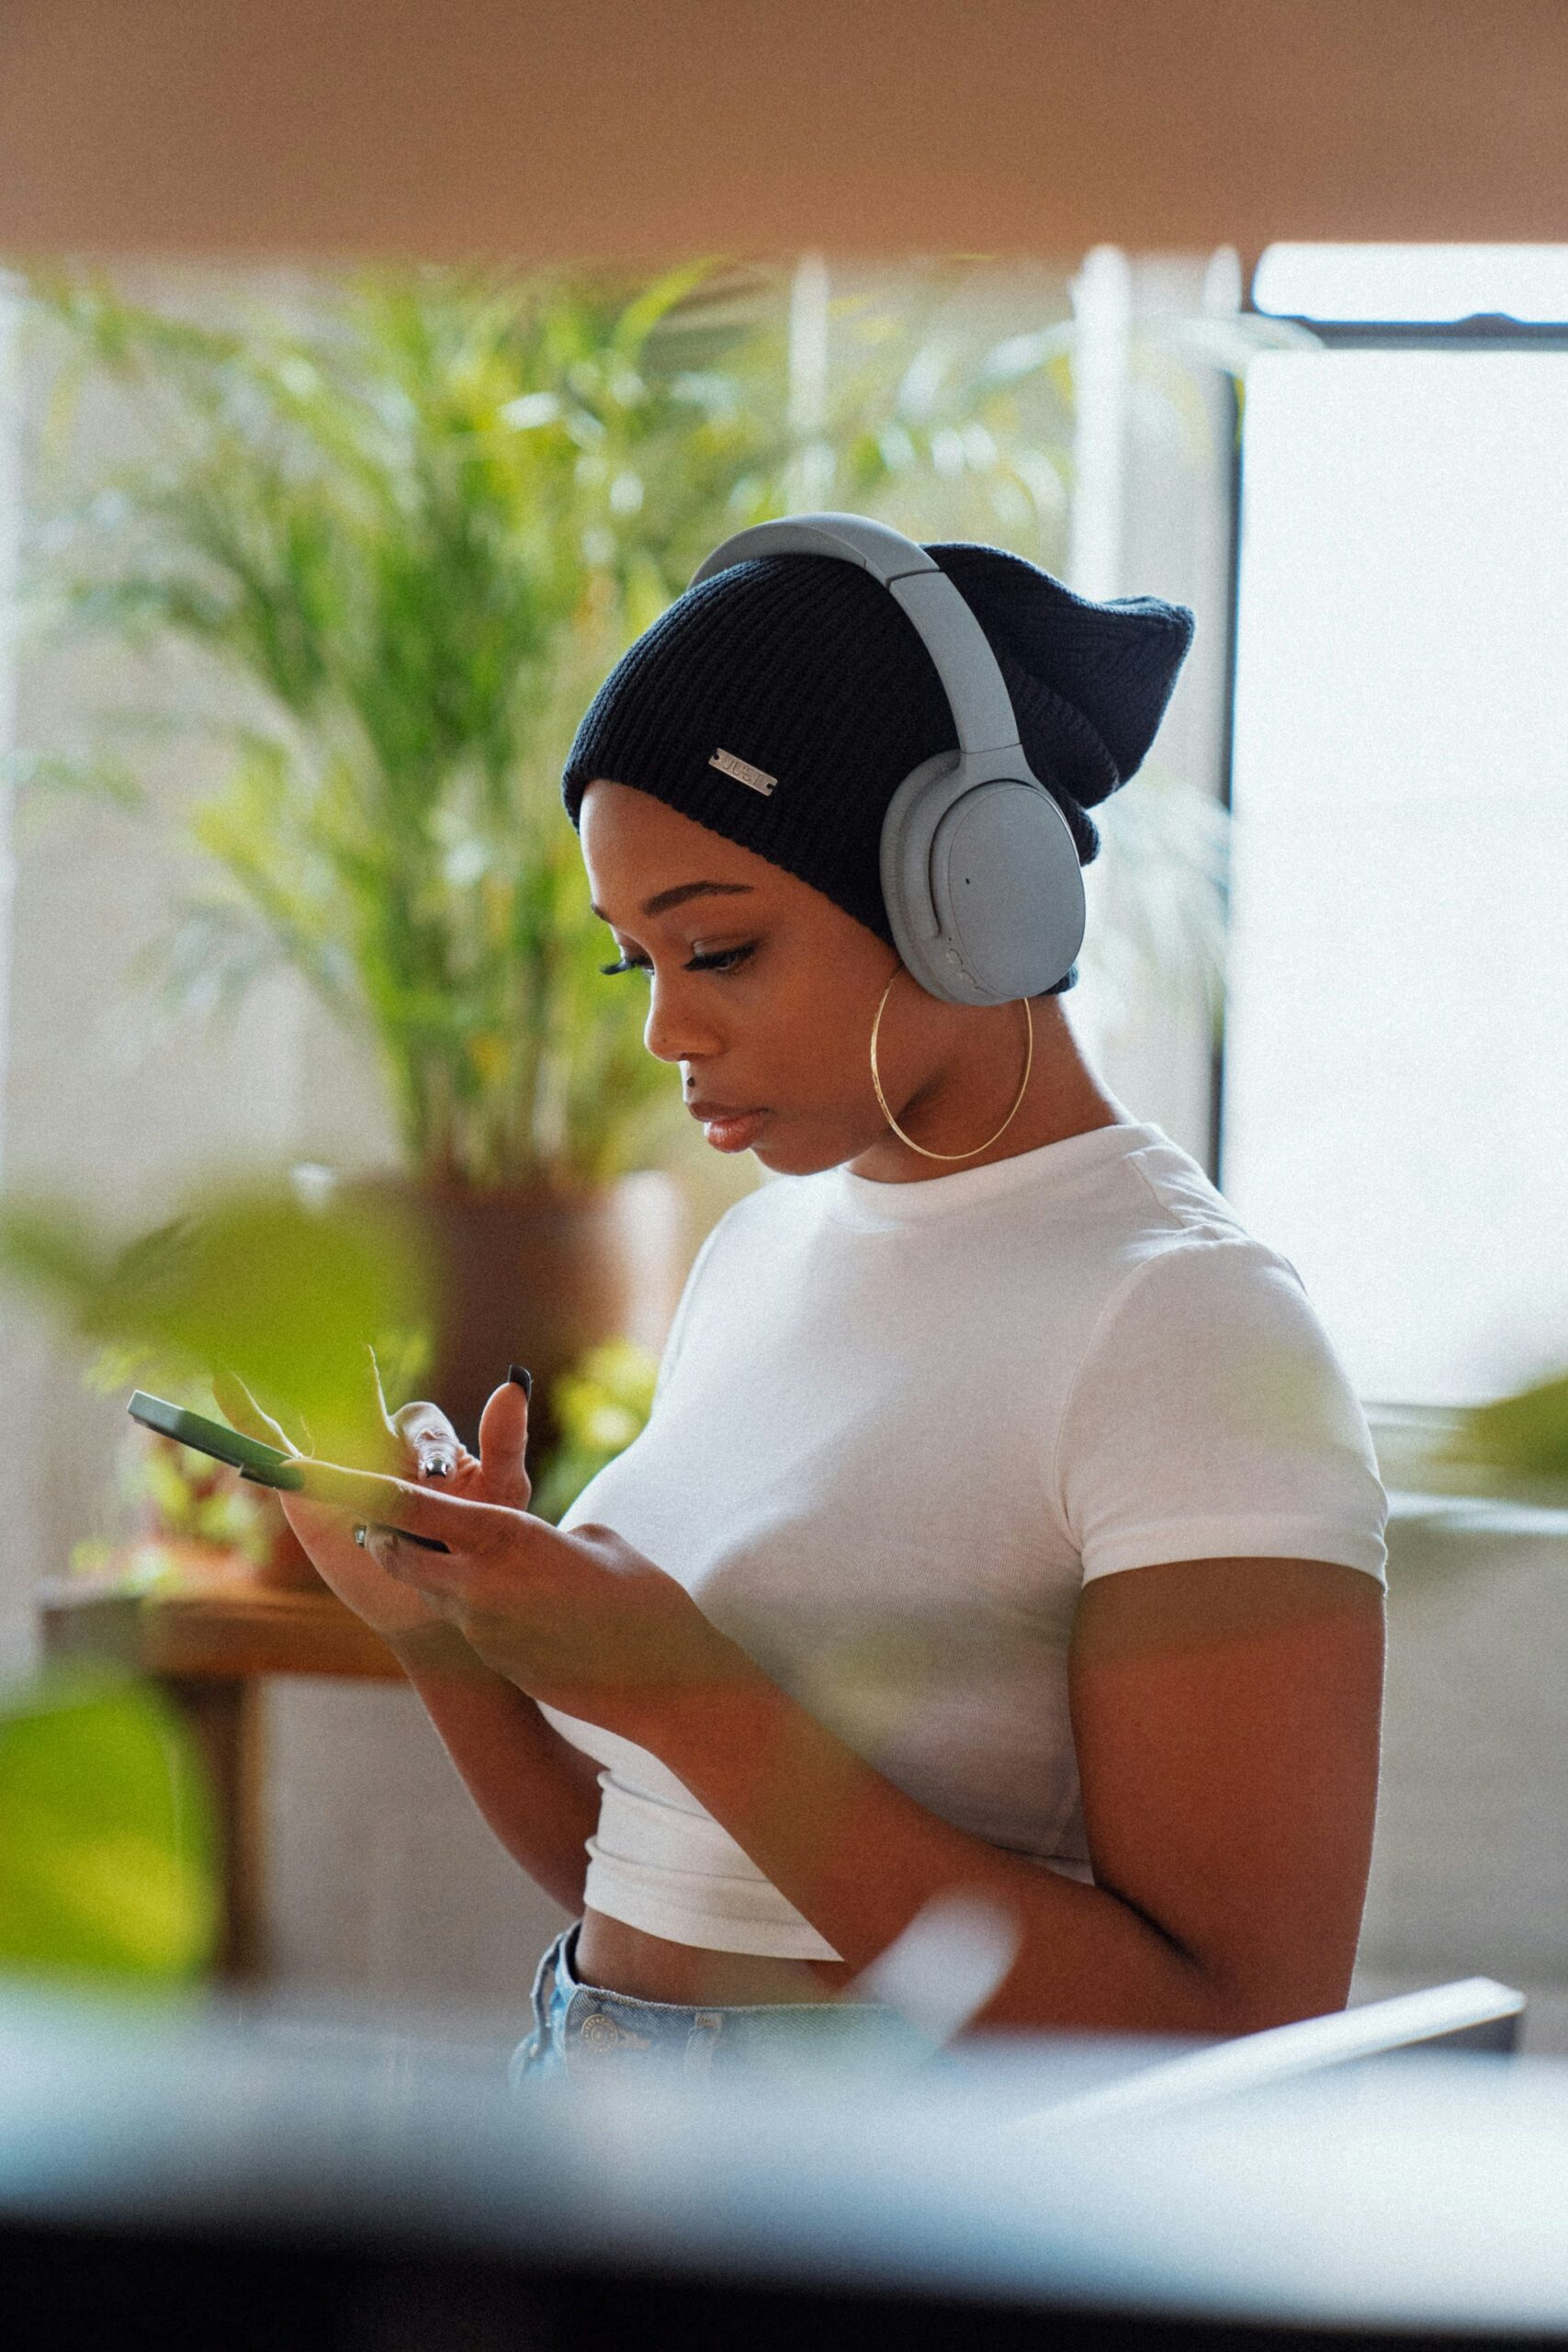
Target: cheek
pixel 820 1062
pixel 801 1047
pixel 801 1042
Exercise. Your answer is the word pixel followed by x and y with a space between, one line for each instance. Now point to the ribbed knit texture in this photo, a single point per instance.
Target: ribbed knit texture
pixel 807 668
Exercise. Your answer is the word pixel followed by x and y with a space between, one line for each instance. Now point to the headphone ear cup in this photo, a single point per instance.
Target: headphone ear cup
pixel 981 881
pixel 907 824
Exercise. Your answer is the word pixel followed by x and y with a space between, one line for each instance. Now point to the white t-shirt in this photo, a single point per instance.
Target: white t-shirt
pixel 896 1428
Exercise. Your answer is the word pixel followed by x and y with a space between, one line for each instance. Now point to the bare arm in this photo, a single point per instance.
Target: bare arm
pixel 1226 1714
pixel 537 1793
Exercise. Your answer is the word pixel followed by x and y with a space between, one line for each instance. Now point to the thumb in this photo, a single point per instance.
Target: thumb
pixel 371 1375
pixel 242 1412
pixel 503 1440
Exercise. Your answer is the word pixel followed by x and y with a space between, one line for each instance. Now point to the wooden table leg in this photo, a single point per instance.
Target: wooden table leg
pixel 223 1713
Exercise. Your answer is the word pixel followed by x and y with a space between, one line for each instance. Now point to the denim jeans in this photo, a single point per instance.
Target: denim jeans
pixel 582 2031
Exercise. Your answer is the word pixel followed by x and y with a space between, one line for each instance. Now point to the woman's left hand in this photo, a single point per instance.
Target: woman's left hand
pixel 578 1619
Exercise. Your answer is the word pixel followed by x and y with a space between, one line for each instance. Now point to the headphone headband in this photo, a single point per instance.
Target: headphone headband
pixel 979 870
pixel 976 689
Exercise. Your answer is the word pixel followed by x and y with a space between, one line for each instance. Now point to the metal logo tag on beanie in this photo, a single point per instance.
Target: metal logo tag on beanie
pixel 744 772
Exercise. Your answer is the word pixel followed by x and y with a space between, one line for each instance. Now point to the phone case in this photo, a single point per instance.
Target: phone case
pixel 264 1465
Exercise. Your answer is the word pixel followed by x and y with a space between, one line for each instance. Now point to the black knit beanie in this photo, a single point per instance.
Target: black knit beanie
pixel 804 670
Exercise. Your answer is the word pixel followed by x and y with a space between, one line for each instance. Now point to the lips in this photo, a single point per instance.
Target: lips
pixel 729 1131
pixel 706 1110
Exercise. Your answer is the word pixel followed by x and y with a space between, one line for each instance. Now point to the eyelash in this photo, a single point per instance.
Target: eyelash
pixel 727 959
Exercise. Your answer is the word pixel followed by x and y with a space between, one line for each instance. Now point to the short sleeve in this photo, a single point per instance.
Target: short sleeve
pixel 1211 1419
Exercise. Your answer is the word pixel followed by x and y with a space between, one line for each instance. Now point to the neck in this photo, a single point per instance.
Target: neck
pixel 969 1100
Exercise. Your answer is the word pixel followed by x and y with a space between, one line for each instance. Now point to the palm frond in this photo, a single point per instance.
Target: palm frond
pixel 407 528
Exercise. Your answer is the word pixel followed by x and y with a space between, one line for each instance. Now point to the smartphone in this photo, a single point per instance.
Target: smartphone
pixel 265 1465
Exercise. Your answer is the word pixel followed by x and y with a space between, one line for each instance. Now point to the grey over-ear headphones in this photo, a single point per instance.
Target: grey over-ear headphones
pixel 980 873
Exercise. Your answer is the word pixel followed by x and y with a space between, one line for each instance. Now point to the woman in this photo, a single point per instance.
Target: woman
pixel 1005 1526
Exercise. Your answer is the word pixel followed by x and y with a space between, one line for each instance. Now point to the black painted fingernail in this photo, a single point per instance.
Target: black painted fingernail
pixel 523 1377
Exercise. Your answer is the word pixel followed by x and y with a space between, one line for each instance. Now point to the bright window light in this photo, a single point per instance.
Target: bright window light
pixel 1413 284
pixel 1395 1113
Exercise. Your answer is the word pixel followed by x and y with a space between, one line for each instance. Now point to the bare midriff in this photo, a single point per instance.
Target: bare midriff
pixel 652 1968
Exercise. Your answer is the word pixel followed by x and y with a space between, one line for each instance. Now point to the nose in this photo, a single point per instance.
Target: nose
pixel 676 1033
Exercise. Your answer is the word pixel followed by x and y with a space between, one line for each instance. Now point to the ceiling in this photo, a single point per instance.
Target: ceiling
pixel 645 129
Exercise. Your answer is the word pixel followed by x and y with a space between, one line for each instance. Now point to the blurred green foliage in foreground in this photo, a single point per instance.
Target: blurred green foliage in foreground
pixel 284 1293
pixel 287 1293
pixel 108 1842
pixel 602 1405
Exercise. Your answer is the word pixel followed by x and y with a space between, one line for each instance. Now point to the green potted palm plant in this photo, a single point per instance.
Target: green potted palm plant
pixel 406 528
pixel 405 532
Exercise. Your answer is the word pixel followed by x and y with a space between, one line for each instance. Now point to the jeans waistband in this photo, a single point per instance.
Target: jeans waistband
pixel 581 2029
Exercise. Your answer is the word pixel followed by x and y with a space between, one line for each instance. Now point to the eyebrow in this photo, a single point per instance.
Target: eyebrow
pixel 662 901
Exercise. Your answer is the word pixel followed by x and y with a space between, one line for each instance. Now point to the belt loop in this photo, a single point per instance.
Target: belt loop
pixel 702 2041
pixel 549 1974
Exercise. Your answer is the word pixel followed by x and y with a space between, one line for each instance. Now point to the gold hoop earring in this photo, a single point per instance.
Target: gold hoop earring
pixel 876 1082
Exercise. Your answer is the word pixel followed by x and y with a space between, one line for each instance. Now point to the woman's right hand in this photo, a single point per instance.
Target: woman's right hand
pixel 418 1442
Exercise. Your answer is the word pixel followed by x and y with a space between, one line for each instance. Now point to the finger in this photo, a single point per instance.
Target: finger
pixel 430 1438
pixel 242 1412
pixel 463 1526
pixel 503 1440
pixel 447 1579
pixel 365 1530
pixel 289 1432
pixel 313 1523
pixel 369 1432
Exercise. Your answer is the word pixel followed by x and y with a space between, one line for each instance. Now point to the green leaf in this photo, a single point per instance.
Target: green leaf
pixel 286 1295
pixel 107 1838
pixel 403 532
pixel 101 778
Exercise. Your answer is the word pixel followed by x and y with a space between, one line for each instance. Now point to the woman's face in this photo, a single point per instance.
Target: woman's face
pixel 761 989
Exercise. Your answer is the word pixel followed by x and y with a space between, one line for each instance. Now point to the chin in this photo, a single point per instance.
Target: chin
pixel 780 1160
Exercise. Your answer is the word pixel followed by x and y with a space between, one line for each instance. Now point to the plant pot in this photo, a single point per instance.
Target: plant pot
pixel 531 1276
pixel 287 1566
